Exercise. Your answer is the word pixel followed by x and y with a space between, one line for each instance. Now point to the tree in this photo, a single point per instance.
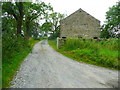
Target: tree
pixel 112 20
pixel 14 10
pixel 32 12
pixel 34 28
pixel 24 13
pixel 55 19
pixel 52 22
pixel 47 26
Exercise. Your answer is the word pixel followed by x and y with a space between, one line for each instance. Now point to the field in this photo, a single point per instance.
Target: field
pixel 100 53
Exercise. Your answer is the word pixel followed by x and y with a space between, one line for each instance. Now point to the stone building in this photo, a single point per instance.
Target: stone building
pixel 80 24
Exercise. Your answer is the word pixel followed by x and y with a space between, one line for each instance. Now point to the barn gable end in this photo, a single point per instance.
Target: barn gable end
pixel 80 24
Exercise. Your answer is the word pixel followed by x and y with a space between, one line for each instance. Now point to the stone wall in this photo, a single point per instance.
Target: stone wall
pixel 80 24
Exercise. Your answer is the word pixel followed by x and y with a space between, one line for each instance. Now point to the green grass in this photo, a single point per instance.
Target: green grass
pixel 0 63
pixel 11 64
pixel 103 53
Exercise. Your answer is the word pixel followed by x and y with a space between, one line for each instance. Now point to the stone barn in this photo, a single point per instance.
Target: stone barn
pixel 80 24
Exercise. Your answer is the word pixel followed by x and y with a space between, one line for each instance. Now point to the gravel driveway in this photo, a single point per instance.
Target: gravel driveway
pixel 46 68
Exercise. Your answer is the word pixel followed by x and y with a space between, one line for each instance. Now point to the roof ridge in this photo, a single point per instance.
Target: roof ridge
pixel 80 9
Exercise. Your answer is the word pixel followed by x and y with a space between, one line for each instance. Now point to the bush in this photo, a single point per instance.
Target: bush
pixel 12 45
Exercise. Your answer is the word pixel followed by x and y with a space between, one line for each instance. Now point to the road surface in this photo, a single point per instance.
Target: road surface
pixel 46 68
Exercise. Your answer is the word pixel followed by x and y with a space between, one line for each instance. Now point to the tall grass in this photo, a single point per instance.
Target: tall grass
pixel 14 52
pixel 101 53
pixel 80 43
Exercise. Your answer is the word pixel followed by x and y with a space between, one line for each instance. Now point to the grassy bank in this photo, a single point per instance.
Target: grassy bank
pixel 103 53
pixel 0 63
pixel 13 57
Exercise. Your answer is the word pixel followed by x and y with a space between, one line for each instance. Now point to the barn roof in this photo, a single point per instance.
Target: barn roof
pixel 80 10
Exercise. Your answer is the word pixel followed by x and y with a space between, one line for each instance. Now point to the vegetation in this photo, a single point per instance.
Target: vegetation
pixel 55 35
pixel 21 30
pixel 53 24
pixel 0 63
pixel 23 16
pixel 103 53
pixel 112 25
pixel 14 57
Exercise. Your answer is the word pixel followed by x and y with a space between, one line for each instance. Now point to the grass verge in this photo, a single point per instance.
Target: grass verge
pixel 11 65
pixel 103 53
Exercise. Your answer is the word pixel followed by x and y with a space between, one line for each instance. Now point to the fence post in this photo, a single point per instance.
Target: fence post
pixel 57 42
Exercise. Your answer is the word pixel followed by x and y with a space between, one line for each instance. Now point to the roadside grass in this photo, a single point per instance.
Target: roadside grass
pixel 103 53
pixel 11 64
pixel 0 63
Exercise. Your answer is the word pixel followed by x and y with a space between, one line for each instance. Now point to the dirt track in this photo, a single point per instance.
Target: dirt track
pixel 46 68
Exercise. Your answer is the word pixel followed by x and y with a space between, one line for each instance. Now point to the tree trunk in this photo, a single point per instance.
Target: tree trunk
pixel 27 30
pixel 19 25
pixel 20 18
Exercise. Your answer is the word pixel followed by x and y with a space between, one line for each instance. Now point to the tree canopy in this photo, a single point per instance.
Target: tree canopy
pixel 23 14
pixel 112 23
pixel 21 22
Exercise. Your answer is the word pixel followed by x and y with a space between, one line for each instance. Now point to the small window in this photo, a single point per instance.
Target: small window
pixel 95 37
pixel 63 37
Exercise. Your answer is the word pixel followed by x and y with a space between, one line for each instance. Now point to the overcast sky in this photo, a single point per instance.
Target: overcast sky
pixel 96 8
